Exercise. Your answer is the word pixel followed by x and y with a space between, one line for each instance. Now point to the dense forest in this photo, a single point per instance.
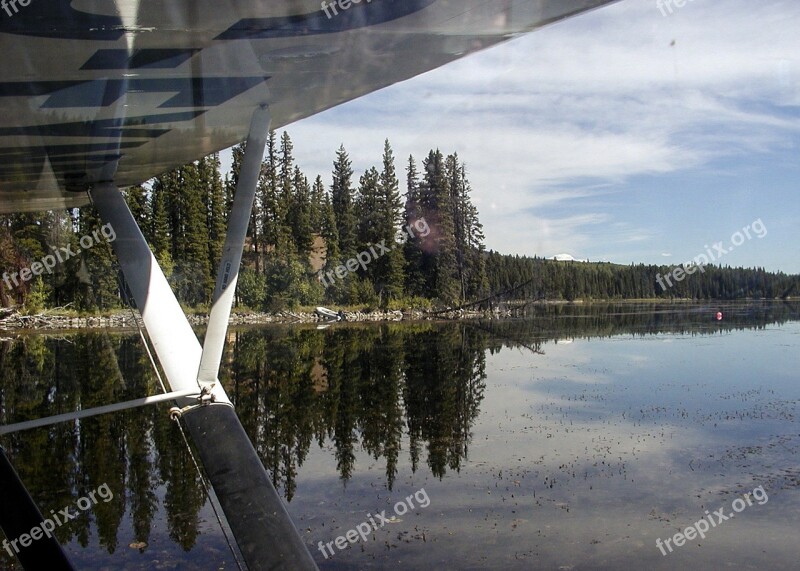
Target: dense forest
pixel 535 278
pixel 371 241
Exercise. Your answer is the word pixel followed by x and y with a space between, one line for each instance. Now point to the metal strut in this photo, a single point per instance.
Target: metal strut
pixel 19 516
pixel 228 272
pixel 264 532
pixel 89 412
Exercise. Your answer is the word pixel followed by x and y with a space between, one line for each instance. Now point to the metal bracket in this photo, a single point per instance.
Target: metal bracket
pixel 205 398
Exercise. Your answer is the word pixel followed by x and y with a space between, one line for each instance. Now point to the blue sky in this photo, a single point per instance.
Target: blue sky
pixel 621 135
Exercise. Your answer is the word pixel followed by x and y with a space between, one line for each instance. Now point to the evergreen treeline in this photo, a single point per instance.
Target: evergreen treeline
pixel 302 231
pixel 536 278
pixel 299 232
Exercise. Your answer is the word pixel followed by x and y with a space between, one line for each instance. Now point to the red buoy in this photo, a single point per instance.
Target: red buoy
pixel 719 316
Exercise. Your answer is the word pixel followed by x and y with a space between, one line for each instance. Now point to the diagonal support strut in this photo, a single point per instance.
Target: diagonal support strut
pixel 228 273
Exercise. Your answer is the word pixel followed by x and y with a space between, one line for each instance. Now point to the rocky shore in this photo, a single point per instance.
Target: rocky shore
pixel 11 320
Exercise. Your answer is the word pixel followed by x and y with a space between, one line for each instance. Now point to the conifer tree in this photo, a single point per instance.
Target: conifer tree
pixel 412 251
pixel 317 200
pixel 367 235
pixel 390 268
pixel 214 202
pixel 299 222
pixel 437 208
pixel 285 196
pixel 477 282
pixel 137 198
pixel 367 213
pixel 198 285
pixel 98 268
pixel 330 235
pixel 268 189
pixel 468 232
pixel 161 226
pixel 342 202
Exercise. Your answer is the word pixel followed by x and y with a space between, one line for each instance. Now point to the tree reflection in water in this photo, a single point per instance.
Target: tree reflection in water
pixel 356 387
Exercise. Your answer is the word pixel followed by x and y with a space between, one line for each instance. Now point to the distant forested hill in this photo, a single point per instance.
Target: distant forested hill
pixel 536 278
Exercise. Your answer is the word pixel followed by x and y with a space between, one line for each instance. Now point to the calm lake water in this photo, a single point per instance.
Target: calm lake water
pixel 573 439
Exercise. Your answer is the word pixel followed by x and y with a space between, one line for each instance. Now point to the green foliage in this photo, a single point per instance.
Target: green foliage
pixel 363 291
pixel 299 215
pixel 160 235
pixel 409 304
pixel 215 207
pixel 390 270
pixel 446 265
pixel 188 283
pixel 289 285
pixel 96 265
pixel 251 289
pixel 37 298
pixel 412 251
pixel 342 202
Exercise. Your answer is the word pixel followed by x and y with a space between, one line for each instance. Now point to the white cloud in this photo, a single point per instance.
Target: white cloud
pixel 548 123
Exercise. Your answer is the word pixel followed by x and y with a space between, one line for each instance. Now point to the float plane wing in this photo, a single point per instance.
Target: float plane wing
pixel 137 87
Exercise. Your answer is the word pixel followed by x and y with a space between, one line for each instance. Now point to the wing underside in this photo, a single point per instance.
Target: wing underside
pixel 95 90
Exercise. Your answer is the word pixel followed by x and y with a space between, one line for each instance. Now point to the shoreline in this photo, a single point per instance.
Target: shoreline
pixel 11 321
pixel 132 320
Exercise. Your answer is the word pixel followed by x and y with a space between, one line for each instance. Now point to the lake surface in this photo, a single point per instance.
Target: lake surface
pixel 572 439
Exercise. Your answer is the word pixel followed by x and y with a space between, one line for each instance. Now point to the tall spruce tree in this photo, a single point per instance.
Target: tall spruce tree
pixel 330 235
pixel 477 280
pixel 412 250
pixel 179 197
pixel 160 227
pixel 367 235
pixel 391 267
pixel 286 195
pixel 367 213
pixel 299 219
pixel 342 202
pixel 268 189
pixel 195 264
pixel 467 232
pixel 437 208
pixel 317 201
pixel 214 203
